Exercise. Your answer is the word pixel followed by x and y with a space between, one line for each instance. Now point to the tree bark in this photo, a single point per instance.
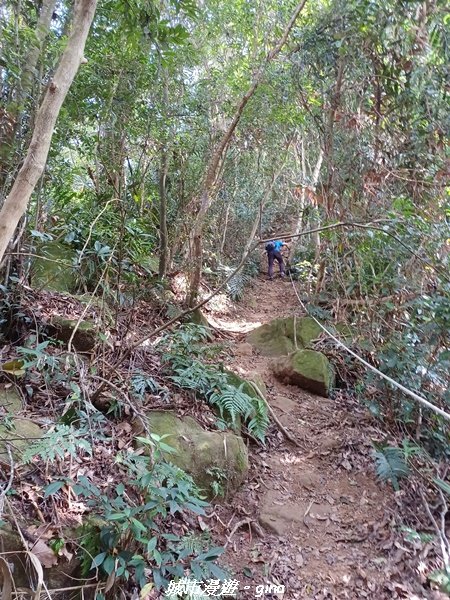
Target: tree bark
pixel 33 166
pixel 329 136
pixel 33 54
pixel 163 236
pixel 205 198
pixel 23 89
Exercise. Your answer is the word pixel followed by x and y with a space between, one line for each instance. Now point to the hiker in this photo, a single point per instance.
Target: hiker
pixel 273 253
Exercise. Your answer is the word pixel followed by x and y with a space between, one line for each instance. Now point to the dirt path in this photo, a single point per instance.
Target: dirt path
pixel 324 515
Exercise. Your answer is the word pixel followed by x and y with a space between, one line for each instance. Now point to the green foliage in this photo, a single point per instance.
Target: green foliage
pixel 237 284
pixel 131 537
pixel 211 382
pixel 60 442
pixel 391 464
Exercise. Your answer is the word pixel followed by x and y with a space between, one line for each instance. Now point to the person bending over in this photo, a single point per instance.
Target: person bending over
pixel 273 250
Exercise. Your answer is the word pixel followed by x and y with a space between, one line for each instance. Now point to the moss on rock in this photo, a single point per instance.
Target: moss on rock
pixel 86 334
pixel 207 456
pixel 10 400
pixel 52 270
pixel 19 436
pixel 280 337
pixel 307 369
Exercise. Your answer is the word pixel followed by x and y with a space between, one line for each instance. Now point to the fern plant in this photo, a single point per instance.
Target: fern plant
pixel 391 464
pixel 60 441
pixel 181 351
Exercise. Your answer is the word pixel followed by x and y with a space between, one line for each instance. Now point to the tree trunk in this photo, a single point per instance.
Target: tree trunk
pixel 329 136
pixel 206 197
pixel 33 54
pixel 24 87
pixel 259 213
pixel 163 234
pixel 163 241
pixel 33 166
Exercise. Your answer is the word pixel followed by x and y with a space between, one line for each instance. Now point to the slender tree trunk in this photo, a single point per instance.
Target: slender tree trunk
pixel 163 237
pixel 33 54
pixel 329 135
pixel 225 228
pixel 24 87
pixel 206 196
pixel 259 213
pixel 163 234
pixel 314 182
pixel 33 166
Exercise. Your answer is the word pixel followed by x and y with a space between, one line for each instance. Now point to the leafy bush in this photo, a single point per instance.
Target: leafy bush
pixel 181 351
pixel 127 534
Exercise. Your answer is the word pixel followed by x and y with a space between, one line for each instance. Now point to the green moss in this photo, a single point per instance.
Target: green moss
pixel 86 335
pixel 19 437
pixel 202 453
pixel 282 336
pixel 10 400
pixel 307 369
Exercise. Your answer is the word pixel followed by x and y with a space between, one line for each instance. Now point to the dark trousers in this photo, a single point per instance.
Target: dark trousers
pixel 275 255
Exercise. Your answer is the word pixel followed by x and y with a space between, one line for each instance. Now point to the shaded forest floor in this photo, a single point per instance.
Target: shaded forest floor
pixel 312 518
pixel 331 530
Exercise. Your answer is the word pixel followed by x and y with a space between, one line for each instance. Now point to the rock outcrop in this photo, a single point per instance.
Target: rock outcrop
pixel 307 369
pixel 212 458
pixel 52 270
pixel 283 336
pixel 85 337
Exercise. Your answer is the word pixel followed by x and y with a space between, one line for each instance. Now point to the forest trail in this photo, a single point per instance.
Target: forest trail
pixel 325 516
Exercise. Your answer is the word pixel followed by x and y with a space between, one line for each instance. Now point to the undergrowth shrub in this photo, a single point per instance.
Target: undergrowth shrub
pixel 132 536
pixel 237 284
pixel 184 351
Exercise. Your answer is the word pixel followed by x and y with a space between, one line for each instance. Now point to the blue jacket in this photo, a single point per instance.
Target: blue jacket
pixel 278 245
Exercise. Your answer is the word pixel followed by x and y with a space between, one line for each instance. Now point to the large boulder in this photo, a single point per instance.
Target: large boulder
pixel 283 336
pixel 307 369
pixel 211 458
pixel 86 333
pixel 52 270
pixel 245 384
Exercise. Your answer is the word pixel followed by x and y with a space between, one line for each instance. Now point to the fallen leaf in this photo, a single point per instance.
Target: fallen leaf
pixel 14 367
pixel 45 554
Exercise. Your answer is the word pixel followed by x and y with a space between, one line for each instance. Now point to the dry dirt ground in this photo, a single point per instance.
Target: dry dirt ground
pixel 312 518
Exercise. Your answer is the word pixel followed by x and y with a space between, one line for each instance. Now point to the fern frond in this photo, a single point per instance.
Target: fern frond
pixel 258 425
pixel 231 401
pixel 391 464
pixel 59 442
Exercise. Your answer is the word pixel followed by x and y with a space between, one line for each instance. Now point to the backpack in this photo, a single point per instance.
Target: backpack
pixel 270 246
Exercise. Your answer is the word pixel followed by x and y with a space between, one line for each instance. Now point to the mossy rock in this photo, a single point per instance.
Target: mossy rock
pixel 10 400
pixel 281 337
pixel 307 369
pixel 86 334
pixel 198 318
pixel 19 437
pixel 209 457
pixel 247 388
pixel 53 269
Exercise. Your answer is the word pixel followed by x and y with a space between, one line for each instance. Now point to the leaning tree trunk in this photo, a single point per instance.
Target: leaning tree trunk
pixel 206 196
pixel 33 166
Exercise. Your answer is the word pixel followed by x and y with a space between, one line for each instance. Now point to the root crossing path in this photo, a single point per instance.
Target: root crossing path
pixel 313 519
